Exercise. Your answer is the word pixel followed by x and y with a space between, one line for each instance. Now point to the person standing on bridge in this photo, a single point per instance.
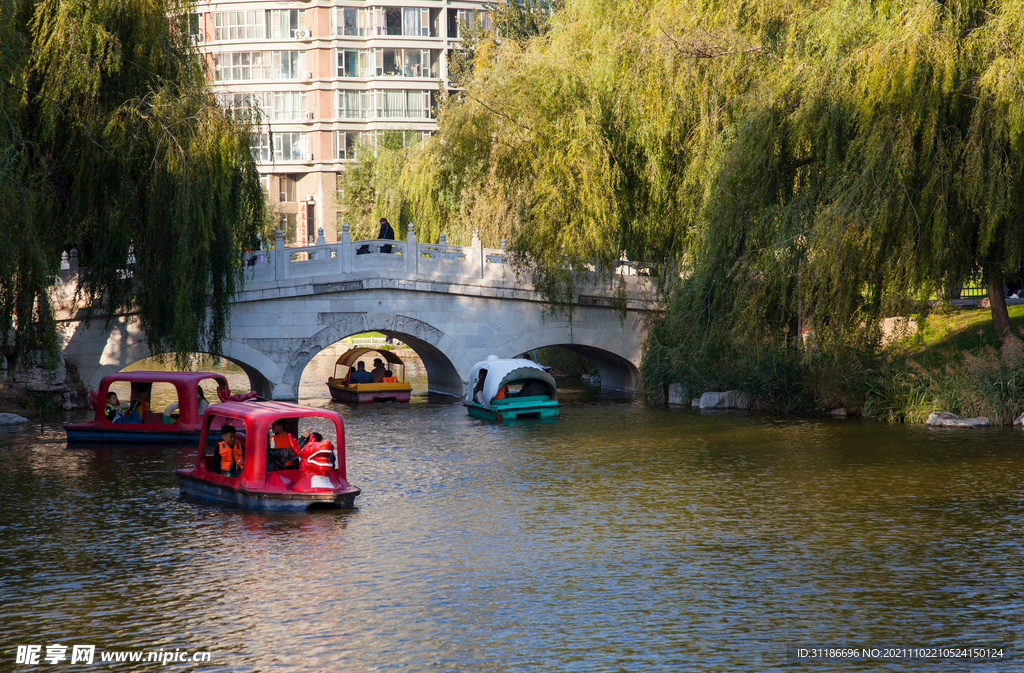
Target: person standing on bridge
pixel 386 233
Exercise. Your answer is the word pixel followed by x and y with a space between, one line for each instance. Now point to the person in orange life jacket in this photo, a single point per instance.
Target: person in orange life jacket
pixel 478 391
pixel 232 451
pixel 280 450
pixel 141 403
pixel 389 377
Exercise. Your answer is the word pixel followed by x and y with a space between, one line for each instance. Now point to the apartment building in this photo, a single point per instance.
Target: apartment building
pixel 328 77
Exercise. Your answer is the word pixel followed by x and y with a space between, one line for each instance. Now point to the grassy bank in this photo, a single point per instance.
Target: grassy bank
pixel 950 363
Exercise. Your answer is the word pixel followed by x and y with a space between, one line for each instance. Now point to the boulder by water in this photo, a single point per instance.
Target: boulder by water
pixel 1019 420
pixel 12 419
pixel 695 403
pixel 944 419
pixel 730 399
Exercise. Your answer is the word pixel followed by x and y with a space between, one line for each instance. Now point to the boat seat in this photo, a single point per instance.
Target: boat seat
pixel 153 418
pixel 519 400
pixel 212 463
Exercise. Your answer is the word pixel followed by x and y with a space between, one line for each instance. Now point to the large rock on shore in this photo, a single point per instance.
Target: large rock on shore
pixel 730 399
pixel 944 419
pixel 41 380
pixel 7 420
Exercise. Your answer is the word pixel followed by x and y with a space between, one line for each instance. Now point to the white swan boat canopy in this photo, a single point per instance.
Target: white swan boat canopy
pixel 510 389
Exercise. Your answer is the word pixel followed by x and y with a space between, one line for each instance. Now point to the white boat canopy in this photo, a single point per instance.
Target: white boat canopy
pixel 502 372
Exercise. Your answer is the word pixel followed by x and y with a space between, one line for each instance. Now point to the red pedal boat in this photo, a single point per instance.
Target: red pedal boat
pixel 179 423
pixel 317 481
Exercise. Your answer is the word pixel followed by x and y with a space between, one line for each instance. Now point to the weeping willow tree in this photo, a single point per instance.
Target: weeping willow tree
pixel 801 165
pixel 582 133
pixel 111 144
pixel 880 162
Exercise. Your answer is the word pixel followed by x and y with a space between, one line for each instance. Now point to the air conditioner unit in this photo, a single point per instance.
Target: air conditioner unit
pixel 308 156
pixel 309 75
pixel 307 197
pixel 302 34
pixel 309 116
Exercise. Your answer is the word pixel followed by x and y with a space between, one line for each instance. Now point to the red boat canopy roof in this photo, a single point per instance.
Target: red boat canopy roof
pixel 266 411
pixel 161 377
pixel 350 357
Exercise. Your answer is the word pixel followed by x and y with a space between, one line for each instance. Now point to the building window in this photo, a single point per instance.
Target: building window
pixel 195 27
pixel 415 22
pixel 289 188
pixel 473 19
pixel 355 63
pixel 403 104
pixel 406 62
pixel 388 104
pixel 260 143
pixel 346 145
pixel 346 21
pixel 240 105
pixel 241 66
pixel 353 104
pixel 286 23
pixel 289 64
pixel 292 146
pixel 238 26
pixel 289 106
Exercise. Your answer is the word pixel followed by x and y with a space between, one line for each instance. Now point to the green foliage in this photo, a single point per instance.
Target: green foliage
pixel 804 165
pixel 112 144
pixel 564 362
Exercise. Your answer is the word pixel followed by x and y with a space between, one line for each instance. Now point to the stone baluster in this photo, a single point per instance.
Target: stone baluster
pixel 478 255
pixel 320 240
pixel 346 249
pixel 412 250
pixel 280 260
pixel 443 240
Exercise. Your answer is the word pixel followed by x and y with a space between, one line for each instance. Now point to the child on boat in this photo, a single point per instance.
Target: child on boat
pixel 280 452
pixel 232 451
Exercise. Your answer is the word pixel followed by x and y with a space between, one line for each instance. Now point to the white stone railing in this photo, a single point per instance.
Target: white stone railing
pixel 439 259
pixel 348 256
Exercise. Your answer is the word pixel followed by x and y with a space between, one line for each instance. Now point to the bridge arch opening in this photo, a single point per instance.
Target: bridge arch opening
pixel 441 375
pixel 616 372
pixel 441 356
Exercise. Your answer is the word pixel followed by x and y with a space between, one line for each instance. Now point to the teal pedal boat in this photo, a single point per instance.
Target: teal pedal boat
pixel 511 390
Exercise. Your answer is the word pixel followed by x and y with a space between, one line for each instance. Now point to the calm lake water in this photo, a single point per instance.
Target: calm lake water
pixel 620 538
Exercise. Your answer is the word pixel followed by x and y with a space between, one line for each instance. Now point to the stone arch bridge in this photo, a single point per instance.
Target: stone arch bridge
pixel 453 305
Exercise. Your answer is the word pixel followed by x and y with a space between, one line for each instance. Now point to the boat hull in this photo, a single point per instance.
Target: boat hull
pixel 370 395
pixel 546 412
pixel 201 489
pixel 87 433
